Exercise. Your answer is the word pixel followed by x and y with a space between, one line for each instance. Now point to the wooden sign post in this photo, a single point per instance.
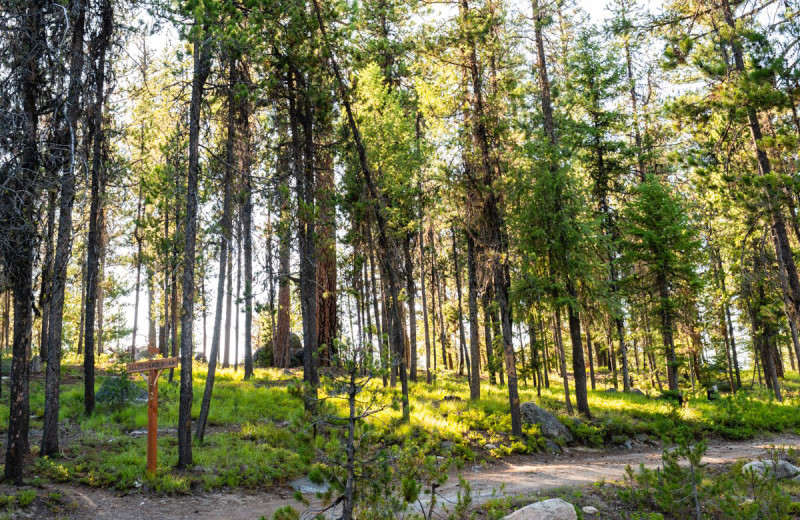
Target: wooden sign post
pixel 153 368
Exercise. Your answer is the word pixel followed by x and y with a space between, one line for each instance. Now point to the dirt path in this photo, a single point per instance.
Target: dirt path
pixel 519 475
pixel 532 474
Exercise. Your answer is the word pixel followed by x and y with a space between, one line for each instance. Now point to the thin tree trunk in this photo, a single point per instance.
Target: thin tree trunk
pixel 475 348
pixel 19 258
pixel 562 357
pixel 202 58
pixel 226 356
pixel 589 350
pixel 463 359
pixel 487 335
pixel 49 444
pixel 412 309
pixel 45 291
pixel 238 291
pixel 94 245
pixel 424 305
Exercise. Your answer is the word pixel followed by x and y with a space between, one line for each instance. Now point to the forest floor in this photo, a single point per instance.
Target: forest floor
pixel 576 474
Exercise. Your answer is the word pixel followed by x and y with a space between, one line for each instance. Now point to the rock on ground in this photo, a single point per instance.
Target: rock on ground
pixel 762 468
pixel 553 509
pixel 590 510
pixel 551 426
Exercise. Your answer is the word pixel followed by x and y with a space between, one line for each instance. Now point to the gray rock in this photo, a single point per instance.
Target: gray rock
pixel 610 390
pixel 489 446
pixel 637 391
pixel 764 468
pixel 590 510
pixel 552 448
pixel 549 423
pixel 305 486
pixel 641 437
pixel 553 509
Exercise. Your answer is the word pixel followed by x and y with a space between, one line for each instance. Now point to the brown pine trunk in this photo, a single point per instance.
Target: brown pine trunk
pixel 327 317
pixel 284 290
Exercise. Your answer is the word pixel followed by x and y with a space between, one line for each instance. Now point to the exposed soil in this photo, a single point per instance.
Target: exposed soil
pixel 513 476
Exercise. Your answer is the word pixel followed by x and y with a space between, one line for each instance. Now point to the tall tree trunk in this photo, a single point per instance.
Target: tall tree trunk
pixel 462 342
pixel 138 238
pixel 412 308
pixel 474 345
pixel 327 315
pixel 428 380
pixel 487 335
pixel 387 248
pixel 238 290
pixel 18 200
pixel 783 250
pixel 226 356
pixel 247 239
pixel 379 322
pixel 94 244
pixel 562 357
pixel 589 350
pixel 152 338
pixel 101 274
pixel 201 68
pixel 49 445
pixel 303 155
pixel 665 311
pixel 45 291
pixel 284 289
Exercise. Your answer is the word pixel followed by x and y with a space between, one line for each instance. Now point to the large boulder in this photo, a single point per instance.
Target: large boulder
pixel 553 509
pixel 264 356
pixel 549 423
pixel 763 468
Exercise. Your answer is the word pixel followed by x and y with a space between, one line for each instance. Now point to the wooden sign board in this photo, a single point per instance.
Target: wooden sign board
pixel 152 364
pixel 153 368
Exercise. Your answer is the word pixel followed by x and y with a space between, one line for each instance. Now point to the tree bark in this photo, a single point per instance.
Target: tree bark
pixel 94 245
pixel 474 345
pixel 201 69
pixel 424 308
pixel 463 358
pixel 412 308
pixel 49 445
pixel 45 291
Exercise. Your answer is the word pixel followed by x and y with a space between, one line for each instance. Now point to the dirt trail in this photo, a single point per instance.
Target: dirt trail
pixel 519 475
pixel 532 474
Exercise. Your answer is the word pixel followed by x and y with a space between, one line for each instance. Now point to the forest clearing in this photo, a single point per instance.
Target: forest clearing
pixel 384 259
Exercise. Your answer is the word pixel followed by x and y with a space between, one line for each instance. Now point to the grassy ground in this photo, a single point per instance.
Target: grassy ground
pixel 259 435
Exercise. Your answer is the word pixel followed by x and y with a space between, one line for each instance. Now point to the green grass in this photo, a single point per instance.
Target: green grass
pixel 259 435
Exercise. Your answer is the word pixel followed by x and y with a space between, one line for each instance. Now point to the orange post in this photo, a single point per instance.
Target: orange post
pixel 152 421
pixel 153 369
